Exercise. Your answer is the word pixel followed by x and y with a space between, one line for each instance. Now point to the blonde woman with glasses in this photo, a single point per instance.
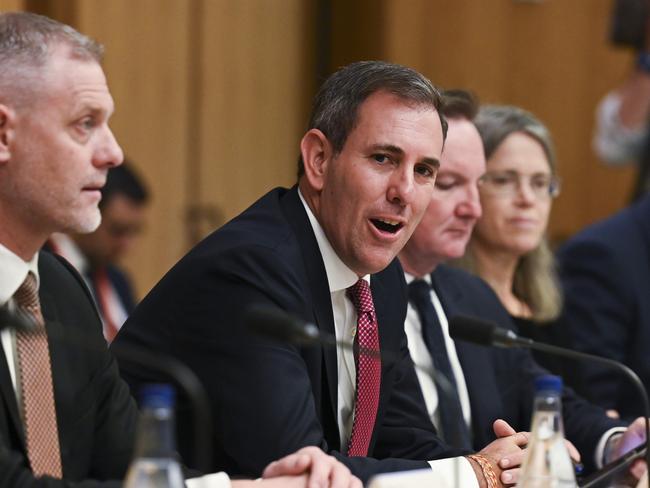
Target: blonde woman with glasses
pixel 508 248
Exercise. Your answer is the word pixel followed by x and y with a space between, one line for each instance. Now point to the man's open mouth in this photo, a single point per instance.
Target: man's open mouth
pixel 391 226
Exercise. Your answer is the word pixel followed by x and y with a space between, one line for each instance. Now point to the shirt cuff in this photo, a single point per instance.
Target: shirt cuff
pixel 214 480
pixel 455 471
pixel 601 447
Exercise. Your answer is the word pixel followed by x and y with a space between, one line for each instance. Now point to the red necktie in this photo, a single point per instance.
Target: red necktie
pixel 368 369
pixel 39 412
pixel 103 290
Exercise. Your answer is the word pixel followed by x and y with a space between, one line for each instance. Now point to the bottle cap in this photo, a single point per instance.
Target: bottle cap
pixel 548 383
pixel 157 395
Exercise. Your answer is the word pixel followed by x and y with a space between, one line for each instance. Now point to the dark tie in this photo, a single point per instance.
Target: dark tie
pixel 39 413
pixel 368 366
pixel 452 423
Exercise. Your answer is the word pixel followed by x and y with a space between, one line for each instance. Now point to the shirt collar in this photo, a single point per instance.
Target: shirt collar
pixel 409 278
pixel 339 276
pixel 13 272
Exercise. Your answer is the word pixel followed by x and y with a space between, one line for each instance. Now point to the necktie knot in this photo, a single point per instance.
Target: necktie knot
pixel 26 298
pixel 419 292
pixel 361 297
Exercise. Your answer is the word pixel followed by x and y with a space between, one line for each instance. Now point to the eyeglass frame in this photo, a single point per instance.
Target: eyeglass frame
pixel 554 183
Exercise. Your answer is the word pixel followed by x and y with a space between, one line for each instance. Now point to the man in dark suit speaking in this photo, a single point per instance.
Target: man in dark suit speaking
pixel 323 250
pixel 66 417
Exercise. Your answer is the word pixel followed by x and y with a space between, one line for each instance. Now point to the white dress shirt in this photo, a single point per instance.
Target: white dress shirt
pixel 339 278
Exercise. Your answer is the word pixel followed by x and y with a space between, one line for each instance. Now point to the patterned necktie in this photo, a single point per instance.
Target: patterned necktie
pixel 39 413
pixel 368 369
pixel 452 424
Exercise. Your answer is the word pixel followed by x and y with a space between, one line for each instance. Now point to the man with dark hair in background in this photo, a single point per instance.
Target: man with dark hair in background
pixel 97 255
pixel 325 251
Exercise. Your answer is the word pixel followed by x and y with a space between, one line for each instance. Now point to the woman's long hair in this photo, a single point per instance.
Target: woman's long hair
pixel 535 282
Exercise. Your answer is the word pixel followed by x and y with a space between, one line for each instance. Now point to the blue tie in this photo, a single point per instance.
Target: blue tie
pixel 452 423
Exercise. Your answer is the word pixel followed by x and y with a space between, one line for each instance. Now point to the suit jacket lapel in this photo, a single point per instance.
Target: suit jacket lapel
pixel 381 301
pixel 318 285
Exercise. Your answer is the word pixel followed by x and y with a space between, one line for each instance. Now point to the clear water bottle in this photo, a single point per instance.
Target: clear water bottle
pixel 547 463
pixel 155 464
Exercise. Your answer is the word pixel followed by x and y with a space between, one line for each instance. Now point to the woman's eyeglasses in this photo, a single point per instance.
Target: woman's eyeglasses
pixel 508 183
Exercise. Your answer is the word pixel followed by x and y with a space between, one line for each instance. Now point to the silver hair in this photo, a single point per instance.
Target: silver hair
pixel 496 122
pixel 26 43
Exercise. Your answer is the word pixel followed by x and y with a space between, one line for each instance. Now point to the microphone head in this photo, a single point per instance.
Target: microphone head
pixel 16 319
pixel 472 329
pixel 275 323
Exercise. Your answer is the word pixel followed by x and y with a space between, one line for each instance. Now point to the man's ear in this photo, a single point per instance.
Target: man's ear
pixel 317 155
pixel 7 121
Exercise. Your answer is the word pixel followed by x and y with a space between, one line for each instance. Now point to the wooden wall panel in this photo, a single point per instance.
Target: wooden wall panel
pixel 11 5
pixel 213 95
pixel 147 56
pixel 550 57
pixel 211 100
pixel 256 75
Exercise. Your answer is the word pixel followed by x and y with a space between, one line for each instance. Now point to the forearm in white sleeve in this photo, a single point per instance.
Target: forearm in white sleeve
pixel 456 472
pixel 602 448
pixel 214 480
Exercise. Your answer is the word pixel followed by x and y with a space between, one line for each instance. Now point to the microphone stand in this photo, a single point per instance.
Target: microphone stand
pixel 483 332
pixel 559 351
pixel 184 377
pixel 170 367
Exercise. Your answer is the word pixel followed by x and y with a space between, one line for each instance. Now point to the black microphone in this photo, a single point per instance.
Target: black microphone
pixel 16 319
pixel 172 368
pixel 478 331
pixel 275 323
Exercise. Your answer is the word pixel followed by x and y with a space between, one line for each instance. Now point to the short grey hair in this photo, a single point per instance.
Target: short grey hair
pixel 26 42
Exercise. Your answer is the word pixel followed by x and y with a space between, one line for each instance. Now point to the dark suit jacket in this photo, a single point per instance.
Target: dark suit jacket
pixel 500 381
pixel 605 272
pixel 96 416
pixel 269 398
